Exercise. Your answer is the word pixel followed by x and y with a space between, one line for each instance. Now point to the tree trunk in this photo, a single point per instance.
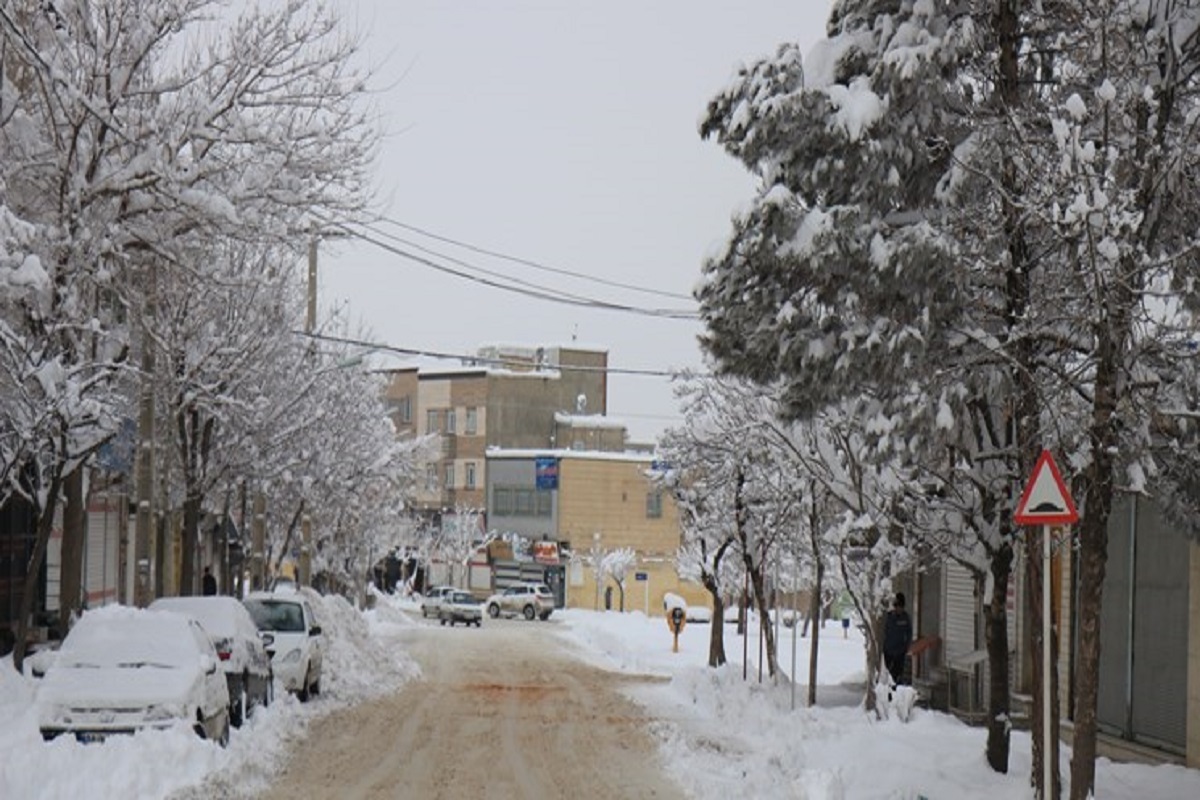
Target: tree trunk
pixel 621 589
pixel 996 633
pixel 716 638
pixel 1093 557
pixel 70 586
pixel 190 539
pixel 45 525
pixel 814 607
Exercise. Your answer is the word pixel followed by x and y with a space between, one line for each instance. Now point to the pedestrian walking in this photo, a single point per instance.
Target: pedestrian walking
pixel 209 583
pixel 897 636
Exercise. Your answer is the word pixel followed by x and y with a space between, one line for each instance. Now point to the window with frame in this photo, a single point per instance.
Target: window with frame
pixel 524 506
pixel 431 483
pixel 405 408
pixel 451 420
pixel 470 474
pixel 450 475
pixel 472 421
pixel 653 505
pixel 431 421
pixel 543 502
pixel 502 500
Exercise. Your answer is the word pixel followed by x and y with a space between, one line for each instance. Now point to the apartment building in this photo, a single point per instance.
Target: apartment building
pixel 506 396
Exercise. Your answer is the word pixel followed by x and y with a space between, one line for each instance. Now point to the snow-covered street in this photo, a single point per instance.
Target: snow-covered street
pixel 717 735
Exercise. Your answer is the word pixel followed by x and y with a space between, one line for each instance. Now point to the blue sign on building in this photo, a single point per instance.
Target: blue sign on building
pixel 546 472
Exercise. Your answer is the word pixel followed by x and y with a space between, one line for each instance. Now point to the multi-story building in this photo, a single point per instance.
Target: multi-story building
pixel 507 396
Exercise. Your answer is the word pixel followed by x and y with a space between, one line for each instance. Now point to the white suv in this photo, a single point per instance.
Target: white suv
pixel 530 600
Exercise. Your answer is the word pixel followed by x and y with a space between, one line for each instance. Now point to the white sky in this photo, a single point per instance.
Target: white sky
pixel 564 133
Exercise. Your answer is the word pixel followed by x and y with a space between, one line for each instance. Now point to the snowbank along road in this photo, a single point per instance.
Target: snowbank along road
pixel 500 712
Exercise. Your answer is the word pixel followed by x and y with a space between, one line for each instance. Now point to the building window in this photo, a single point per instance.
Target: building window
pixel 431 478
pixel 431 421
pixel 406 408
pixel 543 501
pixel 472 421
pixel 503 501
pixel 524 503
pixel 450 475
pixel 653 505
pixel 450 420
pixel 470 474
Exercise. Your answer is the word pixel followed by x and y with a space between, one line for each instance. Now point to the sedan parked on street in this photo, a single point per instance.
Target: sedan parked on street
pixel 293 639
pixel 123 669
pixel 530 600
pixel 243 657
pixel 461 607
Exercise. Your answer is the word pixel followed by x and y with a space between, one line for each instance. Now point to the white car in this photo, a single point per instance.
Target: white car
pixel 123 669
pixel 432 601
pixel 530 600
pixel 243 656
pixel 292 637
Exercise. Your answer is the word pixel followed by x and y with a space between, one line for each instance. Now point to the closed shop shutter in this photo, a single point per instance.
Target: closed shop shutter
pixel 100 556
pixel 960 638
pixel 1160 632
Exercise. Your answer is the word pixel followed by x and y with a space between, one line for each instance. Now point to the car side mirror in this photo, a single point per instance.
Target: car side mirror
pixel 208 664
pixel 268 639
pixel 315 630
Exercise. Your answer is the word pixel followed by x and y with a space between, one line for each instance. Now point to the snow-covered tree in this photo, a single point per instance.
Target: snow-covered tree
pixel 616 564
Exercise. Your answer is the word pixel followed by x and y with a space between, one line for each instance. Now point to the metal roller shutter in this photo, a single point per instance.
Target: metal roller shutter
pixel 1114 621
pixel 960 630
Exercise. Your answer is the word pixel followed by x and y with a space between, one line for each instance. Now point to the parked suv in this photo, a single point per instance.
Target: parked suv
pixel 461 607
pixel 527 599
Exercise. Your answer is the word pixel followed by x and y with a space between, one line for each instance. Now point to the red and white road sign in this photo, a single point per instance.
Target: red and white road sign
pixel 1046 500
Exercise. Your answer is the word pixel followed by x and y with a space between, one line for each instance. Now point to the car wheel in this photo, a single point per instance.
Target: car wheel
pixel 530 613
pixel 545 616
pixel 493 610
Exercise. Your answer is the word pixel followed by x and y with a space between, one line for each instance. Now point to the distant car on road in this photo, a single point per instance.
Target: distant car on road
pixel 530 600
pixel 122 670
pixel 461 607
pixel 243 657
pixel 296 644
pixel 432 600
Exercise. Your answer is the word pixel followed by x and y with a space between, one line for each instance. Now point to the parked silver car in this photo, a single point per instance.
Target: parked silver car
pixel 461 607
pixel 432 600
pixel 530 600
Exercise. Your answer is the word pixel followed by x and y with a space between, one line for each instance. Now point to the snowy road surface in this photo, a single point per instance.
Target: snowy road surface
pixel 500 712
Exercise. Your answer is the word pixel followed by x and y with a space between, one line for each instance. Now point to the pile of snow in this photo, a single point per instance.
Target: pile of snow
pixel 363 659
pixel 723 733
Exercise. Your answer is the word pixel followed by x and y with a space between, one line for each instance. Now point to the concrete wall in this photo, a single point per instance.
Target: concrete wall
pixel 645 596
pixel 608 496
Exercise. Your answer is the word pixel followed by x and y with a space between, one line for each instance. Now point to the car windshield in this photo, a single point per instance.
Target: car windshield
pixel 276 615
pixel 466 598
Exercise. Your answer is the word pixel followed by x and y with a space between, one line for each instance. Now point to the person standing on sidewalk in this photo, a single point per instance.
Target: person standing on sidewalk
pixel 897 636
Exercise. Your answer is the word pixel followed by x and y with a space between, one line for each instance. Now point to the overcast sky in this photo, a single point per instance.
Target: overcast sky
pixel 563 132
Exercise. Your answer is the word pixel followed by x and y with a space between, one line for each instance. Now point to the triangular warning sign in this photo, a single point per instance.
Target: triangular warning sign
pixel 1046 500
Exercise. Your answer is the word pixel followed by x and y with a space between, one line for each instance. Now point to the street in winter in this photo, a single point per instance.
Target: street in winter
pixel 606 398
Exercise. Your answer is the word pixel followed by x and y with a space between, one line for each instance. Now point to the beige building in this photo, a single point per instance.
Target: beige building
pixel 586 499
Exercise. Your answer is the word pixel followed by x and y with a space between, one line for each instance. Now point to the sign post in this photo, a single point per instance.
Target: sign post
pixel 1046 502
pixel 644 579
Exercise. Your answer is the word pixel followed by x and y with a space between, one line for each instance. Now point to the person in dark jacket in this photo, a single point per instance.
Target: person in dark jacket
pixel 209 583
pixel 897 636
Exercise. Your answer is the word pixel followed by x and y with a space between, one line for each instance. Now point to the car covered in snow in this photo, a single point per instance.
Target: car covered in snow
pixel 121 670
pixel 460 606
pixel 293 638
pixel 529 600
pixel 241 651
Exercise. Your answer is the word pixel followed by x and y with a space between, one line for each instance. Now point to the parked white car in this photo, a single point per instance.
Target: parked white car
pixel 293 638
pixel 124 669
pixel 530 600
pixel 243 656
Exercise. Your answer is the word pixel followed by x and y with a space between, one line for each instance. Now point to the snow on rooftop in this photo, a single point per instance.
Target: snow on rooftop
pixel 593 455
pixel 598 421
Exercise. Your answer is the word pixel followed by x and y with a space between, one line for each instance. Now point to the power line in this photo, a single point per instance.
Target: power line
pixel 534 264
pixel 525 288
pixel 480 360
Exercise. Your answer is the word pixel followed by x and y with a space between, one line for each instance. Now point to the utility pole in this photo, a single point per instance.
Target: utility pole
pixel 310 321
pixel 258 535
